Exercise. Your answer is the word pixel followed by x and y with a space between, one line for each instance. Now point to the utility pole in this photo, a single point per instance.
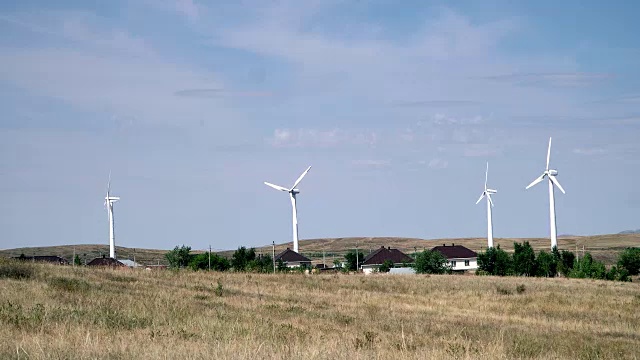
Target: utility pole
pixel 323 261
pixel 273 252
pixel 357 258
pixel 134 257
pixel 74 256
pixel 209 257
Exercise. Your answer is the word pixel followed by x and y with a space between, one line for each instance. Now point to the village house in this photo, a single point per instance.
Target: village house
pixel 373 261
pixel 460 258
pixel 292 259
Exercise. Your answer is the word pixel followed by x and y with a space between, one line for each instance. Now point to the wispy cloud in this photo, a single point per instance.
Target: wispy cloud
pixel 551 79
pixel 214 93
pixel 438 163
pixel 371 163
pixel 321 138
pixel 589 151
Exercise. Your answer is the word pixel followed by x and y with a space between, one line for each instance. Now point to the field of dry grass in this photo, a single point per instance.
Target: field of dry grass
pixel 83 313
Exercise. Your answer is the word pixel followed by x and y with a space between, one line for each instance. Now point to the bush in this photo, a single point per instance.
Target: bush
pixel 524 259
pixel 242 257
pixel 15 269
pixel 201 262
pixel 431 262
pixel 386 266
pixel 630 260
pixel 546 265
pixel 179 257
pixel 495 261
pixel 350 259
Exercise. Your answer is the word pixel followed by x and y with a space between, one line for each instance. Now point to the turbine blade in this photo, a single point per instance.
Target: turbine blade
pixel 486 177
pixel 481 197
pixel 109 184
pixel 277 187
pixel 300 178
pixel 536 181
pixel 549 154
pixel 555 181
pixel 489 198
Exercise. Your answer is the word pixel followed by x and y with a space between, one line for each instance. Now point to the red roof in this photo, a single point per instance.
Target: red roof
pixel 455 251
pixel 105 261
pixel 379 256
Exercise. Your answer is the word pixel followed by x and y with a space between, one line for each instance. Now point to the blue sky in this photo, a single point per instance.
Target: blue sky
pixel 192 105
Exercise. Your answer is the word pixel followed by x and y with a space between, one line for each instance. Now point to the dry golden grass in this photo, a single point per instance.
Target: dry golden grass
pixel 83 313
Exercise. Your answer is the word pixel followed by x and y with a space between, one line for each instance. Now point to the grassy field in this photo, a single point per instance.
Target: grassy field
pixel 603 247
pixel 82 313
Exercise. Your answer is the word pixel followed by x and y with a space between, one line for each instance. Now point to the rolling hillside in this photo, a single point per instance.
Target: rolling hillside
pixel 602 247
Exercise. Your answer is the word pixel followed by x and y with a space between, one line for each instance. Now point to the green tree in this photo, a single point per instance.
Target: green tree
pixel 201 262
pixel 587 267
pixel 495 261
pixel 179 257
pixel 386 266
pixel 350 258
pixel 431 262
pixel 242 257
pixel 262 264
pixel 618 274
pixel 281 266
pixel 77 261
pixel 565 265
pixel 546 264
pixel 629 259
pixel 524 259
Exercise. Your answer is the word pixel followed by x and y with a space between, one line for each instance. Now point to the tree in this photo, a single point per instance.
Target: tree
pixel 263 264
pixel 179 257
pixel 77 261
pixel 242 257
pixel 524 259
pixel 431 262
pixel 546 265
pixel 587 267
pixel 281 266
pixel 386 266
pixel 201 262
pixel 629 259
pixel 495 261
pixel 350 258
pixel 567 258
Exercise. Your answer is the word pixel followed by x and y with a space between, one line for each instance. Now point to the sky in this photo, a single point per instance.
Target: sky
pixel 192 105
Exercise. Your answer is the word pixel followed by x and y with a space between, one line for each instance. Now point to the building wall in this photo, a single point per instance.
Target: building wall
pixel 460 264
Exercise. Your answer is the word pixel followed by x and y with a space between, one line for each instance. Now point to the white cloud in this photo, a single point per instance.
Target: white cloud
pixel 371 162
pixel 321 138
pixel 438 163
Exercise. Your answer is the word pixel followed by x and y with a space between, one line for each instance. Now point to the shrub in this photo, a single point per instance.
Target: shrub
pixel 350 258
pixel 630 260
pixel 386 266
pixel 431 262
pixel 201 262
pixel 495 261
pixel 524 259
pixel 503 291
pixel 15 269
pixel 520 289
pixel 546 265
pixel 179 257
pixel 242 257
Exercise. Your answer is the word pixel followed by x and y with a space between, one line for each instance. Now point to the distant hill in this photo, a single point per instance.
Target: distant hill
pixel 637 231
pixel 602 247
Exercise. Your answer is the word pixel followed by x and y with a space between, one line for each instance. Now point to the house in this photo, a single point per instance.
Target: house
pixel 460 258
pixel 373 261
pixel 131 263
pixel 44 258
pixel 105 261
pixel 292 259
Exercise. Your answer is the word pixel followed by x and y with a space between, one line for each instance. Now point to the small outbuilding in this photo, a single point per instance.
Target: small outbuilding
pixel 460 258
pixel 292 259
pixel 374 260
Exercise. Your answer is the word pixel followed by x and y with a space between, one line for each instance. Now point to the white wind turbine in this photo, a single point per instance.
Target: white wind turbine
pixel 551 174
pixel 108 202
pixel 292 194
pixel 487 192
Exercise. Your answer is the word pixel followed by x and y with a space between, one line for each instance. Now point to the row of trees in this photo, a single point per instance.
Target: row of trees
pixel 243 259
pixel 525 262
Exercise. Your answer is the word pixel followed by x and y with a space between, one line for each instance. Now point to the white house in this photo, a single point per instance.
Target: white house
pixel 460 258
pixel 374 260
pixel 292 259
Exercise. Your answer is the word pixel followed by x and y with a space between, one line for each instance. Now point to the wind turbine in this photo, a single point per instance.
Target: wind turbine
pixel 108 202
pixel 551 175
pixel 487 192
pixel 292 194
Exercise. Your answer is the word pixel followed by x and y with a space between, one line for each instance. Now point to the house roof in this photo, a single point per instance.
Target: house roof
pixel 130 263
pixel 382 254
pixel 44 258
pixel 291 256
pixel 455 251
pixel 105 261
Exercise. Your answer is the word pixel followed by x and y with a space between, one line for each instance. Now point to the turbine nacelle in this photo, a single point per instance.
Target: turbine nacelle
pixel 552 172
pixel 491 191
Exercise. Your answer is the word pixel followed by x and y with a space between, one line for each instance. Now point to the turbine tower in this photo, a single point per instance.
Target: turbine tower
pixel 551 175
pixel 292 194
pixel 487 192
pixel 108 202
